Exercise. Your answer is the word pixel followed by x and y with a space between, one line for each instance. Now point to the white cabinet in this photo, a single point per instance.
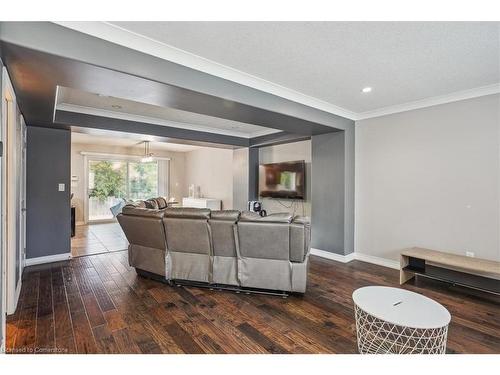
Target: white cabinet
pixel 213 204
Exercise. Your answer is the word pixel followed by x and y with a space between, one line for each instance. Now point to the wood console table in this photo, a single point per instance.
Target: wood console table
pixel 481 274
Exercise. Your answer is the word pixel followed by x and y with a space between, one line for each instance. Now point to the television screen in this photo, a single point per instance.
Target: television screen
pixel 282 180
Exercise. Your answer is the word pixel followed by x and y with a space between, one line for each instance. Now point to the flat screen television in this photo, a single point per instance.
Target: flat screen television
pixel 282 180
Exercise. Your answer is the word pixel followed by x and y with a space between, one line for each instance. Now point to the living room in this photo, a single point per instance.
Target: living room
pixel 187 175
pixel 169 196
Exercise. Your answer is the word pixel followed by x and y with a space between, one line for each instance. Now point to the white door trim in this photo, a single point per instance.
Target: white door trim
pixel 10 203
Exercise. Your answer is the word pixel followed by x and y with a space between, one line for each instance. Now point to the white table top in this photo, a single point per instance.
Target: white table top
pixel 401 307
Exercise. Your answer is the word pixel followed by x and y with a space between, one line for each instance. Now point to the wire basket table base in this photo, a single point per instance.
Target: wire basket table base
pixel 376 336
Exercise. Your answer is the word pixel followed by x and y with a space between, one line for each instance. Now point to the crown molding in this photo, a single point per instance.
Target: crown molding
pixel 126 38
pixel 429 102
pixel 115 34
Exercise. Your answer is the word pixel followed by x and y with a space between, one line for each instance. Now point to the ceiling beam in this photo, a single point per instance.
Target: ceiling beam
pixel 276 139
pixel 223 97
pixel 80 121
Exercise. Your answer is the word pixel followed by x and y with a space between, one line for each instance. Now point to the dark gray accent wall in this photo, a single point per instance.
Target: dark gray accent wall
pixel 241 166
pixel 253 174
pixel 48 215
pixel 328 192
pixel 349 187
pixel 245 177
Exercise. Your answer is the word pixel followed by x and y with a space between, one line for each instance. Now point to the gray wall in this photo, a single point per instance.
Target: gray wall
pixel 430 178
pixel 48 218
pixel 328 192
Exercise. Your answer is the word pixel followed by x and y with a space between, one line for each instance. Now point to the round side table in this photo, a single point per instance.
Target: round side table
pixel 397 321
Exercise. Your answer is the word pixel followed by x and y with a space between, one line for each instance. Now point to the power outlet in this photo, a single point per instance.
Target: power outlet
pixel 470 254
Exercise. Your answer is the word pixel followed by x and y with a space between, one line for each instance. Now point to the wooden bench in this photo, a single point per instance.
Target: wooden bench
pixel 481 274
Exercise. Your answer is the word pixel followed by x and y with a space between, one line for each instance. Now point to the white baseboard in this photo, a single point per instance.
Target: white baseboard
pixel 377 260
pixel 332 256
pixel 356 256
pixel 47 259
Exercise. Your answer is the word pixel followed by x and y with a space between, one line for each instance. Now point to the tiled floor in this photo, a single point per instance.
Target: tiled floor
pixel 98 238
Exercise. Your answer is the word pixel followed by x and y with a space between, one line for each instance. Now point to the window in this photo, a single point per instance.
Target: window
pixel 142 180
pixel 112 181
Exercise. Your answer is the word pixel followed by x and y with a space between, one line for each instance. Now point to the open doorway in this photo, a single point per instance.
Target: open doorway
pixel 106 172
pixel 110 181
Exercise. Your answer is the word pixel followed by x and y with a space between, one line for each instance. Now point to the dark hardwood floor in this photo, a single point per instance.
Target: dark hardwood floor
pixel 97 304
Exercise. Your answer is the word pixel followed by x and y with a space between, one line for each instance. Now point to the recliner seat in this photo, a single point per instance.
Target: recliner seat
pixel 189 248
pixel 146 236
pixel 225 260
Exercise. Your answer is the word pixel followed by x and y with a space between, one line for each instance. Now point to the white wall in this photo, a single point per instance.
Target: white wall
pixel 177 186
pixel 288 152
pixel 212 170
pixel 430 178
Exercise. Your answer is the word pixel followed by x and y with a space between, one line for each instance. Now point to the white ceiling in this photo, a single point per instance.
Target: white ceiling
pixel 111 141
pixel 403 62
pixel 74 100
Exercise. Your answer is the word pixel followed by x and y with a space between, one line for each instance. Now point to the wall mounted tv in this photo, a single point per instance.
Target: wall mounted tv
pixel 282 180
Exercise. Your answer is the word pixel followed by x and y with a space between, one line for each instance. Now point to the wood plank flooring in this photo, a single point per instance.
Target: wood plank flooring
pixel 97 304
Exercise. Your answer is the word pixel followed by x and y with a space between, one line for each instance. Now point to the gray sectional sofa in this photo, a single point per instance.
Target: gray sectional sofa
pixel 224 248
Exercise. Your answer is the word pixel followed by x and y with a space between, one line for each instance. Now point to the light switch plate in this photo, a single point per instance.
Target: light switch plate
pixel 61 187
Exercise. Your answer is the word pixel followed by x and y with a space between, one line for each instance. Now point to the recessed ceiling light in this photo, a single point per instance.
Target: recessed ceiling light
pixel 116 106
pixel 366 89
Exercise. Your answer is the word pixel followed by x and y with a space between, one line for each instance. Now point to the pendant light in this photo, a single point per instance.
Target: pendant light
pixel 148 156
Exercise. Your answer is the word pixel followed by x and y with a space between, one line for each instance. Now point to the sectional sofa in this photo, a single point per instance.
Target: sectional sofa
pixel 221 248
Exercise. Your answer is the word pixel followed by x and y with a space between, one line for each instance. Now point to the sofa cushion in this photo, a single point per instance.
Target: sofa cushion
pixel 187 235
pixel 283 217
pixel 137 204
pixel 151 203
pixel 229 215
pixel 139 211
pixel 301 220
pixel 264 240
pixel 223 239
pixel 187 213
pixel 162 203
pixel 145 231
